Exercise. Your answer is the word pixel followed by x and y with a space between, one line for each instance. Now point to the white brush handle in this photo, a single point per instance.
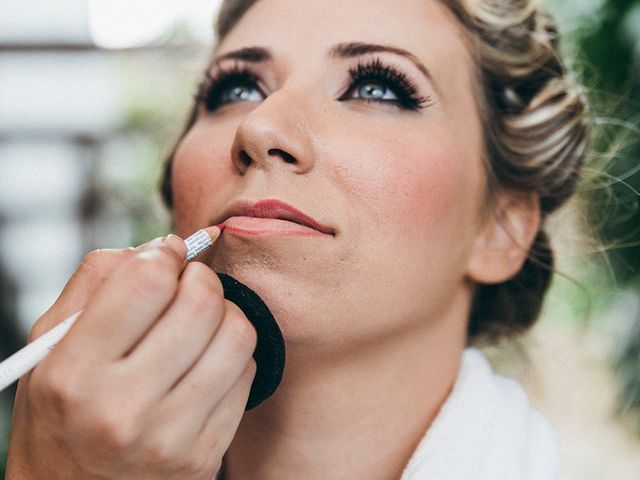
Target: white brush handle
pixel 27 358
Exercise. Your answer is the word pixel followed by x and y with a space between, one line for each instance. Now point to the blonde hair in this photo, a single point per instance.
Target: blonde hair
pixel 535 129
pixel 536 139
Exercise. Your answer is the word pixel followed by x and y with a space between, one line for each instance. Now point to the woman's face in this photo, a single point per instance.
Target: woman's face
pixel 362 116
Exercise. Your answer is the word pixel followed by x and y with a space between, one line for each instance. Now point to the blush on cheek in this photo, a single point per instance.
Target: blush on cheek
pixel 431 186
pixel 186 189
pixel 417 187
pixel 198 176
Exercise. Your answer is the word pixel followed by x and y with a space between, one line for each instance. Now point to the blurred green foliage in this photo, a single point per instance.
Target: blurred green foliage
pixel 611 53
pixel 605 48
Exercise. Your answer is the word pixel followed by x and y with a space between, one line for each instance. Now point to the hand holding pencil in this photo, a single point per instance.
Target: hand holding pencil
pixel 27 358
pixel 153 377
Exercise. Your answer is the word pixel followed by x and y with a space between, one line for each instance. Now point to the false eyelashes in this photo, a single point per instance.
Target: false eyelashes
pixel 213 90
pixel 239 83
pixel 391 76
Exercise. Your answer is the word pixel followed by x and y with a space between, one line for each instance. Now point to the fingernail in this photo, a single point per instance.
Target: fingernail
pixel 176 243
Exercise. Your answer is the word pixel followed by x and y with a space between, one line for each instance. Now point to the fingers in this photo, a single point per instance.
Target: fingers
pixel 89 276
pixel 185 330
pixel 220 427
pixel 176 244
pixel 218 369
pixel 198 418
pixel 147 326
pixel 131 299
pixel 208 434
pixel 95 267
pixel 128 289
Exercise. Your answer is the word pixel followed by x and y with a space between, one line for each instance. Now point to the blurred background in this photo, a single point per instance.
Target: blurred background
pixel 94 92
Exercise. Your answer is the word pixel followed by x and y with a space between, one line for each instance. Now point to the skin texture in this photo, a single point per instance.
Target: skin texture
pixel 399 187
pixel 404 190
pixel 374 316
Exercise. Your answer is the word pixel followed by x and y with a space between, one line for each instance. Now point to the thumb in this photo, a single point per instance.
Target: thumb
pixel 84 282
pixel 88 278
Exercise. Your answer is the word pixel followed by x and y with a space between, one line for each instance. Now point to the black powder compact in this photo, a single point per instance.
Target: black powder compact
pixel 269 352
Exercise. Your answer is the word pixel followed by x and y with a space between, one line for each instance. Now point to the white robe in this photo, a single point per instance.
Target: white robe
pixel 486 430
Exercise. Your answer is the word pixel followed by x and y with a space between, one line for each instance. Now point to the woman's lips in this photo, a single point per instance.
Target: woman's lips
pixel 271 217
pixel 268 226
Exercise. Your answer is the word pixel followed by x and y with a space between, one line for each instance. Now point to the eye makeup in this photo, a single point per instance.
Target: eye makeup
pixel 238 83
pixel 375 72
pixel 218 89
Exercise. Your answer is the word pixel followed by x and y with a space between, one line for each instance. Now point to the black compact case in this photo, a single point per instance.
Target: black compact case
pixel 269 353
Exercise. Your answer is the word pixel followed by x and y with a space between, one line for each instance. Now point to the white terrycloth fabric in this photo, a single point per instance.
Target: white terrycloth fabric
pixel 486 430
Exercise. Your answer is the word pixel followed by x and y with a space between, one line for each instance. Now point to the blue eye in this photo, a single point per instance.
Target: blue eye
pixel 241 93
pixel 370 82
pixel 229 86
pixel 375 90
pixel 379 83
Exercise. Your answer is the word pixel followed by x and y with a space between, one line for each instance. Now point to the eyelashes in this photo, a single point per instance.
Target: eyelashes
pixel 217 90
pixel 373 82
pixel 385 78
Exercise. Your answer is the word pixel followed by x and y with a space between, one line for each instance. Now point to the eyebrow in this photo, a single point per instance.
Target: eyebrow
pixel 248 54
pixel 356 49
pixel 340 50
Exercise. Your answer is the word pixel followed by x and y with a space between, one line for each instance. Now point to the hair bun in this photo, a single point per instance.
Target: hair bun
pixel 536 137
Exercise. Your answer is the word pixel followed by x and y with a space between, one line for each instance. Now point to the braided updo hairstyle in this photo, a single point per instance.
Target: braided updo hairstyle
pixel 535 132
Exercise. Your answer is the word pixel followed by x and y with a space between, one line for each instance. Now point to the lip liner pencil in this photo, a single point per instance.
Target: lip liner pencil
pixel 28 357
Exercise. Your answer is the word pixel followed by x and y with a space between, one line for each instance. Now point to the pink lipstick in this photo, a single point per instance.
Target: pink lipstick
pixel 271 217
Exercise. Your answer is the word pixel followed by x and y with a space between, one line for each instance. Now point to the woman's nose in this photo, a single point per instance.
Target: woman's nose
pixel 275 134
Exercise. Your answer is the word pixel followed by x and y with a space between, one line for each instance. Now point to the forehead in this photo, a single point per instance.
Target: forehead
pixel 295 29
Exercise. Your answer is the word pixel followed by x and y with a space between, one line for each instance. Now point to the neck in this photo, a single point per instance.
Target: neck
pixel 328 419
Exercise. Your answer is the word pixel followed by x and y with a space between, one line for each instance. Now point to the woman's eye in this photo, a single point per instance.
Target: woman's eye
pixel 372 82
pixel 383 84
pixel 241 93
pixel 227 87
pixel 375 91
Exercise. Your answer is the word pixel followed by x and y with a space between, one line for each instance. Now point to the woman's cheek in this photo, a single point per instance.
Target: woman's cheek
pixel 435 188
pixel 412 184
pixel 200 173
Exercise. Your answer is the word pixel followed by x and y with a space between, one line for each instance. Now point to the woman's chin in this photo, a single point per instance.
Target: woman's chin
pixel 287 298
